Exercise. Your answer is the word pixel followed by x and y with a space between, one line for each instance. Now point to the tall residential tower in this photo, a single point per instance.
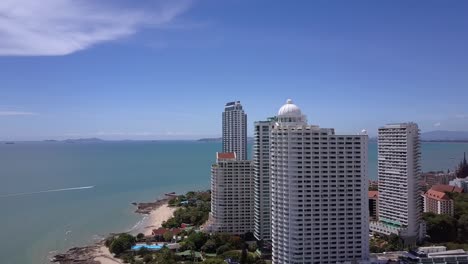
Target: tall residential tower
pixel 262 183
pixel 231 195
pixel 399 173
pixel 319 192
pixel 235 130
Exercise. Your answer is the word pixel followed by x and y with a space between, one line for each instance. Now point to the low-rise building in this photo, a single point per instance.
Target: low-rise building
pixel 447 188
pixel 436 200
pixel 430 179
pixel 436 254
pixel 461 183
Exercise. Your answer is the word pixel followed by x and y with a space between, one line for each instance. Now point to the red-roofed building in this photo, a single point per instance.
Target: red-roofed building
pixel 447 188
pixel 437 201
pixel 159 233
pixel 373 205
pixel 225 155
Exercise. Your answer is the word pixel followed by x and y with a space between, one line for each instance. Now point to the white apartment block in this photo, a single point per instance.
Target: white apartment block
pixel 462 183
pixel 262 183
pixel 231 195
pixel 319 192
pixel 437 202
pixel 235 130
pixel 399 173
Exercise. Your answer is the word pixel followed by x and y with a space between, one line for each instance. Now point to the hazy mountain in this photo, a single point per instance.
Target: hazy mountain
pixel 443 135
pixel 83 140
pixel 219 139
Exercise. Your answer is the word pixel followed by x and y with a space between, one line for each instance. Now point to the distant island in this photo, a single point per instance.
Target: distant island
pixel 443 135
pixel 431 136
pixel 210 139
pixel 78 140
pixel 440 136
pixel 84 140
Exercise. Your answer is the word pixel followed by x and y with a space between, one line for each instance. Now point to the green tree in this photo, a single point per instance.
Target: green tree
pixel 168 236
pixel 108 241
pixel 236 241
pixel 117 247
pixel 128 258
pixel 440 228
pixel 198 239
pixel 143 251
pixel 147 258
pixel 214 261
pixel 210 246
pixel 165 256
pixel 224 248
pixel 122 243
pixel 394 243
pixel 253 247
pixel 249 236
pixel 244 255
pixel 232 254
pixel 140 236
pixel 462 224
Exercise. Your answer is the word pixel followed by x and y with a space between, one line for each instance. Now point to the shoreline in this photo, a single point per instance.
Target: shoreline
pixel 156 218
pixel 156 212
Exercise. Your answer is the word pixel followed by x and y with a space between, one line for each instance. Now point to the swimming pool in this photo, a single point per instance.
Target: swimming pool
pixel 150 247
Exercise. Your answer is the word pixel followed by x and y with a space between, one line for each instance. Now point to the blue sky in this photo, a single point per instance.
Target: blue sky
pixel 164 69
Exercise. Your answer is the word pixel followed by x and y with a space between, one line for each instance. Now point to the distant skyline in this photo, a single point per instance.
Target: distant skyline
pixel 121 69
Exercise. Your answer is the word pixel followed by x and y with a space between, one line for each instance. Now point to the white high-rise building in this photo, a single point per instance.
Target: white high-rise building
pixel 235 130
pixel 231 195
pixel 399 173
pixel 319 192
pixel 262 183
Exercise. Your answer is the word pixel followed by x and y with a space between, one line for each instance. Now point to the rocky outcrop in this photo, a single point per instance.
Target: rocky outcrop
pixel 146 208
pixel 78 255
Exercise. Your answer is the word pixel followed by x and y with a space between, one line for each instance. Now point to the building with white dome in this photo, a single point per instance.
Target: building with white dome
pixel 318 192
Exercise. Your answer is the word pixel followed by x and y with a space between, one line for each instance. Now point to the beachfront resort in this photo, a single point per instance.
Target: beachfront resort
pixel 304 198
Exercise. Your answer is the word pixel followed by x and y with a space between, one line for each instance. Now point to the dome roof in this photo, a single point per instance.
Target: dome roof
pixel 289 110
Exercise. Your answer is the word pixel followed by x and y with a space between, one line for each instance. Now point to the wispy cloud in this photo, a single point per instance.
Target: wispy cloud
pixel 462 116
pixel 17 113
pixel 60 27
pixel 437 124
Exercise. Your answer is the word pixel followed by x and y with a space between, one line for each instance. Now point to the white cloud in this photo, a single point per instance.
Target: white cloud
pixel 60 27
pixel 462 116
pixel 437 124
pixel 16 113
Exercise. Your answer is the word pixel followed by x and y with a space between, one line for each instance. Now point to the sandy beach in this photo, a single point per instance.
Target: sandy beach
pixel 155 219
pixel 104 256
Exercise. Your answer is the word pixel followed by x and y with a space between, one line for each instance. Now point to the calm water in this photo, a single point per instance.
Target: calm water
pixel 33 226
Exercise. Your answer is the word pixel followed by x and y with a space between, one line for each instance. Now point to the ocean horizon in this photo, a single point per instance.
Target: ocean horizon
pixel 57 195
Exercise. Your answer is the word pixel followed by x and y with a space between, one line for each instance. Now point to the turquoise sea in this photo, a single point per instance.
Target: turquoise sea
pixel 38 217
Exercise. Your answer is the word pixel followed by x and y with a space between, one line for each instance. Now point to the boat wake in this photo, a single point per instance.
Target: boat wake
pixel 48 191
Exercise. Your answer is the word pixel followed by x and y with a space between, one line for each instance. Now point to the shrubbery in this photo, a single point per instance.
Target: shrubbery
pixel 444 228
pixel 120 243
